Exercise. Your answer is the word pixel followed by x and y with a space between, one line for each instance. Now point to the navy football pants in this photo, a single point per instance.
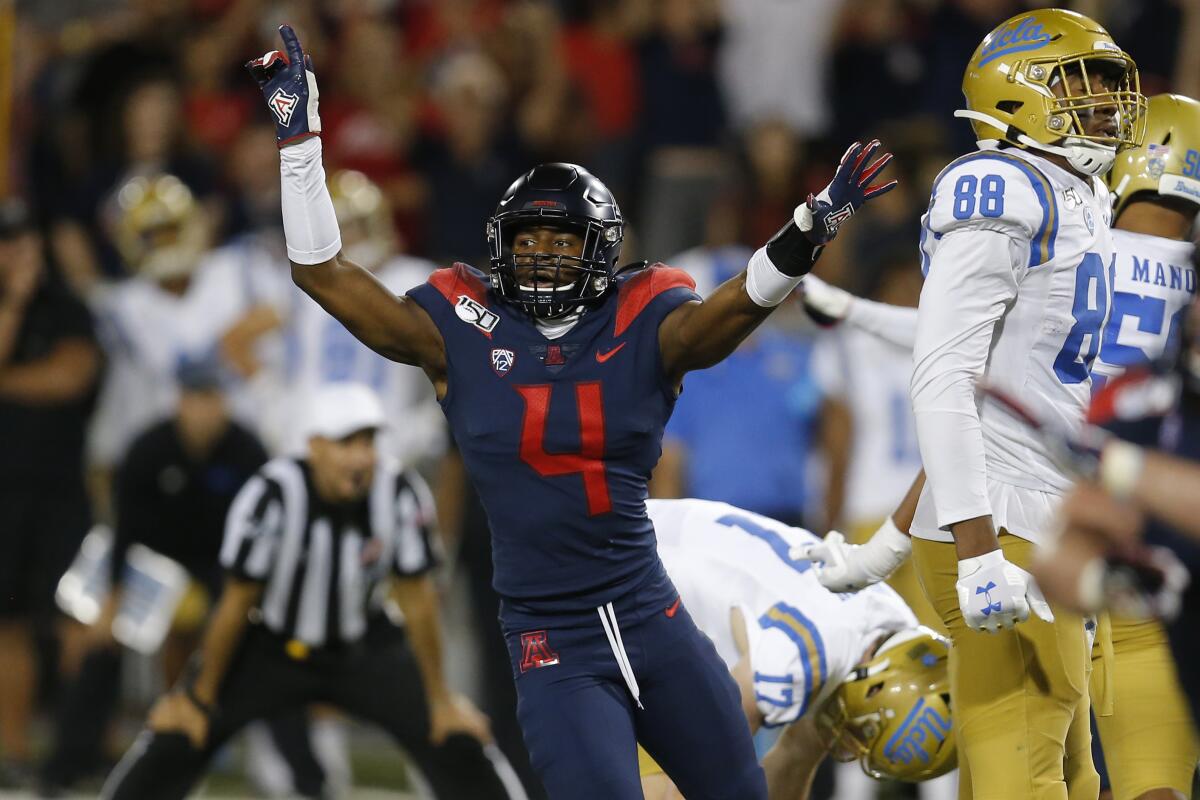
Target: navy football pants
pixel 581 723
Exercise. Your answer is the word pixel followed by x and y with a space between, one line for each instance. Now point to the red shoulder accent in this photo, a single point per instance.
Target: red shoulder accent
pixel 457 280
pixel 637 292
pixel 1103 408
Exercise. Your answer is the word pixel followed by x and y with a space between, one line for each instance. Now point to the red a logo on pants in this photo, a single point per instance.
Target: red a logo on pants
pixel 535 652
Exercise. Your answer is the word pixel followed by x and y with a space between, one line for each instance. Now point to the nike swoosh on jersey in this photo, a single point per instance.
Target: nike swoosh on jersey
pixel 602 357
pixel 673 608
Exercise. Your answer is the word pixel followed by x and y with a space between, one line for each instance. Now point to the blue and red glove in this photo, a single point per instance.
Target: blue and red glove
pixel 290 88
pixel 798 244
pixel 849 190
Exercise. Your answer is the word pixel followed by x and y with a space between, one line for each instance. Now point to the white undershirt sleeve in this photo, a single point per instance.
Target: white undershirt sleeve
pixel 894 324
pixel 972 280
pixel 309 224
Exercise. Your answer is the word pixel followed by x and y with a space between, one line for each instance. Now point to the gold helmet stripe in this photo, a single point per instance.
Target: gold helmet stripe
pixel 1041 246
pixel 807 639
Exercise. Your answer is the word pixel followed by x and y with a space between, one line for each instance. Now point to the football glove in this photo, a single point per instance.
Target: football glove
pixel 995 594
pixel 849 190
pixel 1135 581
pixel 849 567
pixel 290 88
pixel 798 244
pixel 827 305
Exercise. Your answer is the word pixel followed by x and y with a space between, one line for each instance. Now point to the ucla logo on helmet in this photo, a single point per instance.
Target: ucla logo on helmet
pixel 920 735
pixel 1025 34
pixel 502 360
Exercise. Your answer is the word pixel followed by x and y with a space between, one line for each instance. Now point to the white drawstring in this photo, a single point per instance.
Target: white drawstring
pixel 613 632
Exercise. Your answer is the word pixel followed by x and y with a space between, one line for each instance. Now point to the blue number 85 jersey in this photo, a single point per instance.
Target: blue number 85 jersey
pixel 1048 335
pixel 559 436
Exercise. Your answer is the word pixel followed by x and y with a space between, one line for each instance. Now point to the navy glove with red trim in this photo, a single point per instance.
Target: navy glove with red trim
pixel 798 244
pixel 849 190
pixel 290 88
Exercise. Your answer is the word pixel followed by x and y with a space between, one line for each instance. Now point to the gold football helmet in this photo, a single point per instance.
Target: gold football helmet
pixel 1168 161
pixel 160 230
pixel 892 714
pixel 363 214
pixel 1018 90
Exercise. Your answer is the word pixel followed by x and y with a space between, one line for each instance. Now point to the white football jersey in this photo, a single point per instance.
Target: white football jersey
pixel 871 376
pixel 320 350
pixel 1049 332
pixel 803 639
pixel 147 332
pixel 1153 284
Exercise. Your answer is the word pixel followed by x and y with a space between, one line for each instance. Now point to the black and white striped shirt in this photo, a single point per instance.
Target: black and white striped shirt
pixel 320 562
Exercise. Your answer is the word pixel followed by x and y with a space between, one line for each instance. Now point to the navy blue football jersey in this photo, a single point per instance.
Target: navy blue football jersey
pixel 1146 407
pixel 559 436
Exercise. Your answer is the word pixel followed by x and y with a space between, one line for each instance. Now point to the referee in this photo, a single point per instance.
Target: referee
pixel 307 543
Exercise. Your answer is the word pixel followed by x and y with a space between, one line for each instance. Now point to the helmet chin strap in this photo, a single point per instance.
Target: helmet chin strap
pixel 1089 158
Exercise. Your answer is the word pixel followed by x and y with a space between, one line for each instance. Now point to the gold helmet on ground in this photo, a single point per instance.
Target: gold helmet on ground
pixel 1168 161
pixel 892 714
pixel 365 219
pixel 1018 88
pixel 159 230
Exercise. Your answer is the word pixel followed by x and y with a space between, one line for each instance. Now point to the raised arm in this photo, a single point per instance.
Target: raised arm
pixel 699 335
pixel 392 326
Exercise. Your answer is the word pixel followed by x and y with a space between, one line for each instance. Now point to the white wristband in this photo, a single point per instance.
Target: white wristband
pixel 766 285
pixel 969 566
pixel 885 551
pixel 309 224
pixel 1120 468
pixel 894 539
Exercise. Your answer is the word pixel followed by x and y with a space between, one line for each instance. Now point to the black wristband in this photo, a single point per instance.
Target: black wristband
pixel 792 252
pixel 189 691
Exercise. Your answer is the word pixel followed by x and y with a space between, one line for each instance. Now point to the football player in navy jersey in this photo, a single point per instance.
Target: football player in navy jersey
pixel 557 373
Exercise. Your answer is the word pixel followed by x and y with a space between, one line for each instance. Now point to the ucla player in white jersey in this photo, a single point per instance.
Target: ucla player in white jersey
pixel 1157 189
pixel 320 350
pixel 1150 744
pixel 1017 253
pixel 854 672
pixel 183 302
pixel 1148 737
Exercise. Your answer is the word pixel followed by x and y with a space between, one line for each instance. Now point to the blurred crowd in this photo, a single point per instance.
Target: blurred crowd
pixel 146 263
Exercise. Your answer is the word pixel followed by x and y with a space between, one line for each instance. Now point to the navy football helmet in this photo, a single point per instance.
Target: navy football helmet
pixel 562 197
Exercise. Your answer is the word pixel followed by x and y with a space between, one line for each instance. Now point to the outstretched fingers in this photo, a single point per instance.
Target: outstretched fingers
pixel 875 191
pixel 864 157
pixel 871 171
pixel 851 155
